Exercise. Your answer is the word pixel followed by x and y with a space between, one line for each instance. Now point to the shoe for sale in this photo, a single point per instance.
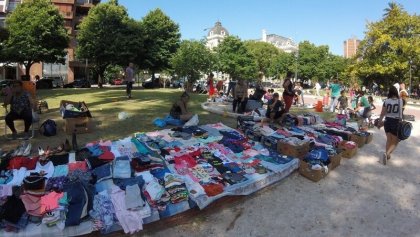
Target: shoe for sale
pixel 384 158
pixel 27 150
pixel 41 151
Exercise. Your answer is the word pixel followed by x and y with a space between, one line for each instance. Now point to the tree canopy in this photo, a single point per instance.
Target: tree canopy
pixel 235 59
pixel 389 46
pixel 161 40
pixel 36 34
pixel 192 59
pixel 264 54
pixel 108 36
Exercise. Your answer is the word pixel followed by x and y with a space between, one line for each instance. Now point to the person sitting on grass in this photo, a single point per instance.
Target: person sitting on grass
pixel 275 109
pixel 179 108
pixel 21 105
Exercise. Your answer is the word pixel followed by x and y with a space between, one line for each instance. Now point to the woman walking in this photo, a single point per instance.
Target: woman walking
pixel 392 112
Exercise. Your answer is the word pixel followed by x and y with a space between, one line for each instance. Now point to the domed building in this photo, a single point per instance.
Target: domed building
pixel 216 35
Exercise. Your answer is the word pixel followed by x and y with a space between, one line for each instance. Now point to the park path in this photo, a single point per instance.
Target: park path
pixel 360 198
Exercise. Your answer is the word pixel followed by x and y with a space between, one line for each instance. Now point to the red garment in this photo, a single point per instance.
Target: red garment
pixel 32 204
pixel 49 202
pixel 211 87
pixel 185 160
pixel 213 189
pixel 288 101
pixel 78 165
pixel 21 161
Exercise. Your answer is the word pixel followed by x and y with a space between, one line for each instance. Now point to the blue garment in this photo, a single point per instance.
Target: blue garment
pixel 103 210
pixel 232 134
pixel 78 200
pixel 121 167
pixel 61 170
pixel 122 183
pixel 103 172
pixel 159 173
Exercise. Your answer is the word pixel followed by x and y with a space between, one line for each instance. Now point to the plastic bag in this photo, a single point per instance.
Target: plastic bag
pixel 122 115
pixel 192 122
pixel 159 122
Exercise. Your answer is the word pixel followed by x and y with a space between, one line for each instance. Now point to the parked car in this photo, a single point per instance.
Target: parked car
pixel 117 81
pixel 157 83
pixel 44 84
pixel 78 83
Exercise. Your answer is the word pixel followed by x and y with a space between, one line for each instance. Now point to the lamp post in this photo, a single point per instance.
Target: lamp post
pixel 411 86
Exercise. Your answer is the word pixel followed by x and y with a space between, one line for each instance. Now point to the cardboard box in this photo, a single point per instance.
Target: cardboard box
pixel 314 175
pixel 359 140
pixel 74 114
pixel 369 138
pixel 347 152
pixel 79 125
pixel 335 161
pixel 292 150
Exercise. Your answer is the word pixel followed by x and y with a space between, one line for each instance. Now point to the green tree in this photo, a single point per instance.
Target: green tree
pixel 235 59
pixel 264 53
pixel 191 60
pixel 388 47
pixel 107 36
pixel 36 34
pixel 162 39
pixel 281 64
pixel 113 72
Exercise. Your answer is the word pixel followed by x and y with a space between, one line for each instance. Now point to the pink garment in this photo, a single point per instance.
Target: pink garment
pixel 5 190
pixel 32 204
pixel 131 221
pixel 49 202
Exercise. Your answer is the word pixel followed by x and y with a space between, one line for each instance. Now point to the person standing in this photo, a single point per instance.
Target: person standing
pixel 317 88
pixel 231 86
pixel 392 112
pixel 129 79
pixel 288 93
pixel 404 96
pixel 210 85
pixel 21 105
pixel 240 96
pixel 335 93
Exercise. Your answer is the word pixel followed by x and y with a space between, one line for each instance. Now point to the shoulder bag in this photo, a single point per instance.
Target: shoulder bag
pixel 404 127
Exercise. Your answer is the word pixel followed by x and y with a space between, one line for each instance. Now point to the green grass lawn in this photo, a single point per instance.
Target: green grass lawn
pixel 105 104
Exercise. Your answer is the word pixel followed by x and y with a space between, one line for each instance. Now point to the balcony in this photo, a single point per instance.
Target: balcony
pixel 86 3
pixel 63 1
pixel 67 15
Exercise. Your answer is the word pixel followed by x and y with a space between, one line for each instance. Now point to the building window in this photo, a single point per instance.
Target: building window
pixel 223 33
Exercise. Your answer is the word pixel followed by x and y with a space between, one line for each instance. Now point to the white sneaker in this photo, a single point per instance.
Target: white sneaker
pixel 384 158
pixel 27 150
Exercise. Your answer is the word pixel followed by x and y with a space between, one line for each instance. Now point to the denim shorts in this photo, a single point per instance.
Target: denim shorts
pixel 122 168
pixel 103 172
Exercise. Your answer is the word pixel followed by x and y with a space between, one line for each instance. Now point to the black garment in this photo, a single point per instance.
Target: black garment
pixel 288 90
pixel 12 210
pixel 129 88
pixel 231 86
pixel 26 115
pixel 391 125
pixel 259 93
pixel 242 105
pixel 278 109
pixel 176 111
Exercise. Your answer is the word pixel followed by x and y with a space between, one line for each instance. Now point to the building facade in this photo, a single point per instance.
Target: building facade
pixel 283 43
pixel 216 35
pixel 73 12
pixel 350 47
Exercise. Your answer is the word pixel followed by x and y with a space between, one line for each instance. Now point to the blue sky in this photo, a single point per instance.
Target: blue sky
pixel 326 22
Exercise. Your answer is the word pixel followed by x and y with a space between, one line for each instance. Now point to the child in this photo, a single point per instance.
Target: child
pixel 372 106
pixel 275 109
pixel 343 103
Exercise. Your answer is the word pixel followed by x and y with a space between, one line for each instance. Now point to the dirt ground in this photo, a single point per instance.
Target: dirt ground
pixel 360 198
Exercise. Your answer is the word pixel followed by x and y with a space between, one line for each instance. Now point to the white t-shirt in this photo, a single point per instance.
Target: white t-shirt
pixel 393 108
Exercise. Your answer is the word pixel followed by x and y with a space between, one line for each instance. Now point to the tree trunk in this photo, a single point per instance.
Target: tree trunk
pixel 27 70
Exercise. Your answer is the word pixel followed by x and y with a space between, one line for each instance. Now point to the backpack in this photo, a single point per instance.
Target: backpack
pixel 48 128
